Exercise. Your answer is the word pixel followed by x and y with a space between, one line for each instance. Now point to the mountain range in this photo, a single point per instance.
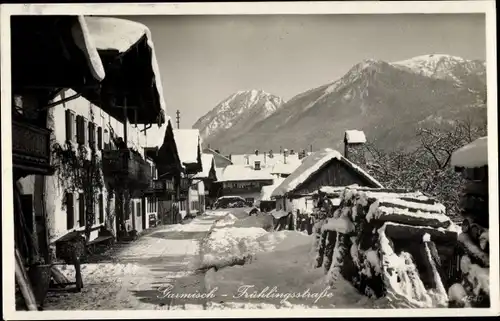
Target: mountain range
pixel 388 101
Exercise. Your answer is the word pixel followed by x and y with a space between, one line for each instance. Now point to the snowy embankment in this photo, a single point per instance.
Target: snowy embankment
pixel 256 269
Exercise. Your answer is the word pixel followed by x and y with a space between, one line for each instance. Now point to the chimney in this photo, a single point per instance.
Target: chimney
pixel 217 151
pixel 353 140
pixel 257 152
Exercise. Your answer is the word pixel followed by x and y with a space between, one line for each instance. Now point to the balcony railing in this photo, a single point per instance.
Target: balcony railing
pixel 30 148
pixel 238 190
pixel 160 186
pixel 126 167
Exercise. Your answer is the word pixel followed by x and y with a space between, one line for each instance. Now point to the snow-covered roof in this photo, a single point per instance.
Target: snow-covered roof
pixel 263 157
pixel 84 40
pixel 266 191
pixel 243 173
pixel 121 34
pixel 312 164
pixel 285 168
pixel 188 145
pixel 472 155
pixel 207 161
pixel 218 172
pixel 355 136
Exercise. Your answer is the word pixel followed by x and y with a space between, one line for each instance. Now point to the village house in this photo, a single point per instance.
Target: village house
pixel 245 181
pixel 206 190
pixel 325 167
pixel 473 253
pixel 188 143
pixel 40 68
pixel 80 117
pixel 162 197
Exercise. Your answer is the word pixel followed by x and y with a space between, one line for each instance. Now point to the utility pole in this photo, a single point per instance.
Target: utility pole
pixel 178 118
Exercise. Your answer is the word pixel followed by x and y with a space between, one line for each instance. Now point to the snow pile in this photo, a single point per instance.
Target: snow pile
pixel 230 245
pixel 360 241
pixel 229 219
pixel 472 155
pixel 261 220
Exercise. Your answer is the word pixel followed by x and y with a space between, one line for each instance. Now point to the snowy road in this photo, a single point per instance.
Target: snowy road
pixel 141 271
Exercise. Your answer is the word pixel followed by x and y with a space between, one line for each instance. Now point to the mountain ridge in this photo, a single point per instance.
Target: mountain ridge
pixel 386 100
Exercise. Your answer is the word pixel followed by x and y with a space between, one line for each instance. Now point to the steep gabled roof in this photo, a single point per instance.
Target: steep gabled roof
pixel 188 143
pixel 314 163
pixel 208 164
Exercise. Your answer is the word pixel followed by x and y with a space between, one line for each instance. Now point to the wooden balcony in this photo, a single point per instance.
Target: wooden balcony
pixel 241 190
pixel 126 167
pixel 161 186
pixel 30 148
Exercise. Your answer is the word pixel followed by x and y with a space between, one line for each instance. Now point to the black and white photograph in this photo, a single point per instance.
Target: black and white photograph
pixel 306 158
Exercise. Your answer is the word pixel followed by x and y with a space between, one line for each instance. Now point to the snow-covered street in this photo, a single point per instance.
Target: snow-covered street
pixel 222 260
pixel 141 270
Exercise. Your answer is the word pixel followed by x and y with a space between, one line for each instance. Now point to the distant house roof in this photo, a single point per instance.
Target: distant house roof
pixel 263 157
pixel 285 168
pixel 243 173
pixel 312 164
pixel 207 163
pixel 471 155
pixel 355 137
pixel 216 154
pixel 189 145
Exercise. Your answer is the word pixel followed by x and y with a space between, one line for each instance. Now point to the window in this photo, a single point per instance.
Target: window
pixel 70 125
pixel 70 211
pixel 92 134
pixel 99 138
pixel 153 172
pixel 257 165
pixel 81 209
pixel 106 143
pixel 81 133
pixel 138 208
pixel 152 204
pixel 101 209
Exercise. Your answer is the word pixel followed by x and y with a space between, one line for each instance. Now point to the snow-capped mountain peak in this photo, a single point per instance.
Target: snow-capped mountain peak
pixel 439 66
pixel 237 107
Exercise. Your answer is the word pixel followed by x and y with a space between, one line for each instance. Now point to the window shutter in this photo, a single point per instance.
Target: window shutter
pixel 99 138
pixel 81 210
pixel 69 125
pixel 80 130
pixel 92 134
pixel 70 211
pixel 101 209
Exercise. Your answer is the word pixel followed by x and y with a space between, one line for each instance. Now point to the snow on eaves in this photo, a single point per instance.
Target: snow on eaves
pixel 234 173
pixel 155 136
pixel 472 155
pixel 355 136
pixel 121 34
pixel 267 191
pixel 188 145
pixel 85 42
pixel 312 164
pixel 207 161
